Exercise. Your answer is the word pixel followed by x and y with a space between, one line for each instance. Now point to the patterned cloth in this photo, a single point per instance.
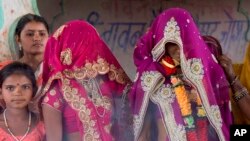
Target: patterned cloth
pixel 199 68
pixel 83 80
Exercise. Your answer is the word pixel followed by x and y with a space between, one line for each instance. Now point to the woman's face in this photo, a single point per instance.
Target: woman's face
pixel 173 51
pixel 33 38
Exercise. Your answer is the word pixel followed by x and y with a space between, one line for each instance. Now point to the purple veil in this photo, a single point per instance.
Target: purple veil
pixel 198 66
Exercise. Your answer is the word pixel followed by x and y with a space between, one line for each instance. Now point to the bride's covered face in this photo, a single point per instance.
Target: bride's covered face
pixel 173 51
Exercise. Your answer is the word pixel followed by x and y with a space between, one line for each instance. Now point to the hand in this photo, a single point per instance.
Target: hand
pixel 227 65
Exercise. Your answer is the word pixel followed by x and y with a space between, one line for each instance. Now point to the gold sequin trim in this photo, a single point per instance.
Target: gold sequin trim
pixel 66 57
pixel 101 67
pixel 56 104
pixel 78 103
pixel 52 92
pixel 59 31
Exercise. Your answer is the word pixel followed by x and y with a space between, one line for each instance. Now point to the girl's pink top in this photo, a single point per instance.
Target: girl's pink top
pixel 36 134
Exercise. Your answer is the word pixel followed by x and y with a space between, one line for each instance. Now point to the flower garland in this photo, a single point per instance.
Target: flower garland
pixel 185 106
pixel 195 129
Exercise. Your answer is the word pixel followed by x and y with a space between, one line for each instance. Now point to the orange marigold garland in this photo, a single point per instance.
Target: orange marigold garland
pixel 185 105
pixel 200 110
pixel 181 96
pixel 195 130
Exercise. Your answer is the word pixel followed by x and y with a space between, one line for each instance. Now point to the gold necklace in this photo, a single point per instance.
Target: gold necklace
pixel 6 124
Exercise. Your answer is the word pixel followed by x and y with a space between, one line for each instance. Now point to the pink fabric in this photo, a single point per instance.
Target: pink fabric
pixel 55 99
pixel 213 85
pixel 4 63
pixel 37 134
pixel 69 52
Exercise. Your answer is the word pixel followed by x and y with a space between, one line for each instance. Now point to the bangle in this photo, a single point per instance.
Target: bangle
pixel 240 94
pixel 235 79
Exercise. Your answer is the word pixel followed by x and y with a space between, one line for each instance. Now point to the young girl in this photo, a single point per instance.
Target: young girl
pixel 17 88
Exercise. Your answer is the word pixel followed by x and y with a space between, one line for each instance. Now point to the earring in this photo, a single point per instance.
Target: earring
pixel 20 47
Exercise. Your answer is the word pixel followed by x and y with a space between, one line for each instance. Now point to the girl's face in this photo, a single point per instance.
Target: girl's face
pixel 173 51
pixel 16 91
pixel 33 38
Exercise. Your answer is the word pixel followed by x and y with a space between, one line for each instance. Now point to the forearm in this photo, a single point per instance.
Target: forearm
pixel 242 97
pixel 53 123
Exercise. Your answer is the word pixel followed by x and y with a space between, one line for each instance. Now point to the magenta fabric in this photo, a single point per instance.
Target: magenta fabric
pixel 54 98
pixel 72 57
pixel 76 35
pixel 213 80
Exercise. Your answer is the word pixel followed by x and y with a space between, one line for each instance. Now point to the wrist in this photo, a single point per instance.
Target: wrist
pixel 240 94
pixel 233 80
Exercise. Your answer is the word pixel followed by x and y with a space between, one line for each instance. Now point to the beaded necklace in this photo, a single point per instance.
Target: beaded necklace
pixel 6 124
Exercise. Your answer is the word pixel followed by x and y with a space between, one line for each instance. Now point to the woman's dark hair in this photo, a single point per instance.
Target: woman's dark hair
pixel 213 45
pixel 18 68
pixel 29 18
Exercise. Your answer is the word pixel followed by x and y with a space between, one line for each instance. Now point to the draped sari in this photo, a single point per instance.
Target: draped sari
pixel 199 68
pixel 84 81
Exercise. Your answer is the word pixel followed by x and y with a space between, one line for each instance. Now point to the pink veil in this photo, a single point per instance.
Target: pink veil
pixel 75 53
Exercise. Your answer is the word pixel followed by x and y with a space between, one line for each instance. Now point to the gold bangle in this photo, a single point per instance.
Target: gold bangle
pixel 240 94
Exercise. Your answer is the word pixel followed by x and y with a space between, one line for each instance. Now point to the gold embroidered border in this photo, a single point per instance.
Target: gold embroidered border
pixel 150 82
pixel 164 98
pixel 196 76
pixel 101 67
pixel 90 70
pixel 78 103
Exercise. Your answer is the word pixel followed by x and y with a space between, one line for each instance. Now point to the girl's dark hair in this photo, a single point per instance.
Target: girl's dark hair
pixel 18 68
pixel 29 18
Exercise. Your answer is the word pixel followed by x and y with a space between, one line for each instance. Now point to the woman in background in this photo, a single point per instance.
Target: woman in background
pixel 237 80
pixel 240 87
